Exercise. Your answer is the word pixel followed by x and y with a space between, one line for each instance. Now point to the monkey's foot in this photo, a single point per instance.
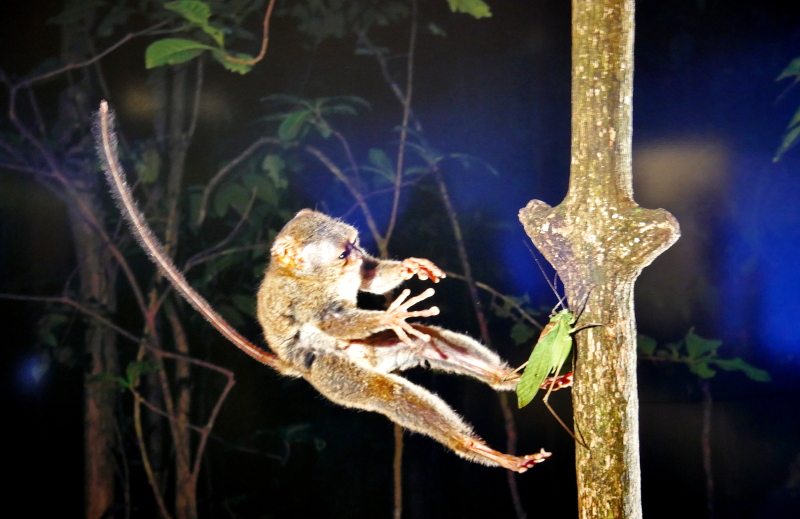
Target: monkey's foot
pixel 557 382
pixel 516 463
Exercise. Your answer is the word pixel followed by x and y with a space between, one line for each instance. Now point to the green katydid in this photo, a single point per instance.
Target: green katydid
pixel 549 355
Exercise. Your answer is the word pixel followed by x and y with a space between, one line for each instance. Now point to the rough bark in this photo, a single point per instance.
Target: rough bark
pixel 97 291
pixel 599 240
pixel 96 272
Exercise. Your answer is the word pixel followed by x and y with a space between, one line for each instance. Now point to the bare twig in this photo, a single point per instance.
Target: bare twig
pixel 197 258
pixel 198 87
pixel 380 240
pixel 264 40
pixel 404 131
pixel 74 304
pixel 380 192
pixel 91 60
pixel 217 178
pixel 151 478
pixel 483 286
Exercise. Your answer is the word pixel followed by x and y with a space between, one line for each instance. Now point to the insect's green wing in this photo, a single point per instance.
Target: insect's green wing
pixel 563 345
pixel 547 356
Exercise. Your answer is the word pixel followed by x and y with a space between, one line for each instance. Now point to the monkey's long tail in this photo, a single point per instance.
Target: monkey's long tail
pixel 106 142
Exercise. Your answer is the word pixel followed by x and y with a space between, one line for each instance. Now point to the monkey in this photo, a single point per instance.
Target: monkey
pixel 307 308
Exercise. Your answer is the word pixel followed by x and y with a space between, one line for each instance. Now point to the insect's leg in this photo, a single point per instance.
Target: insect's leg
pixel 356 385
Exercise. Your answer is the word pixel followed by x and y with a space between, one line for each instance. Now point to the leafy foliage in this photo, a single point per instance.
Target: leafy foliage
pixel 793 129
pixel 300 116
pixel 475 8
pixel 700 355
pixel 131 378
pixel 323 19
pixel 173 51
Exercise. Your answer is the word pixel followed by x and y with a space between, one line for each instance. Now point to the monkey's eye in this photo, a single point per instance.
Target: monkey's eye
pixel 346 252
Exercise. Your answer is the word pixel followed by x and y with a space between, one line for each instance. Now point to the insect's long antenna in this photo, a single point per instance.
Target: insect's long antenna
pixel 551 285
pixel 583 305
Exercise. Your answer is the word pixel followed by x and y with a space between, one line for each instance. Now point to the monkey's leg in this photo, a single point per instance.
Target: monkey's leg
pixel 446 351
pixel 352 384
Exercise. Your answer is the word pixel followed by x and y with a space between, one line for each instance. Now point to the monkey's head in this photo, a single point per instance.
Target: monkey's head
pixel 315 245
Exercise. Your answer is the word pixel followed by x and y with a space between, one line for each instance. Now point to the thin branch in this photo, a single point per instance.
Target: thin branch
pixel 165 414
pixel 382 63
pixel 264 41
pixel 210 424
pixel 91 60
pixel 151 478
pixel 380 192
pixel 200 255
pixel 217 178
pixel 339 174
pixel 500 295
pixel 226 252
pixel 37 114
pixel 25 169
pixel 196 108
pixel 404 132
pixel 348 152
pixel 74 304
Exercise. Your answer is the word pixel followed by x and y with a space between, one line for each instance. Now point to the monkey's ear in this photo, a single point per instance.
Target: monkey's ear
pixel 286 251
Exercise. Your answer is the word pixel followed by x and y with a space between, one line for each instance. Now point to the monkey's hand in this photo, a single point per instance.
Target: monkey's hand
pixel 422 268
pixel 397 313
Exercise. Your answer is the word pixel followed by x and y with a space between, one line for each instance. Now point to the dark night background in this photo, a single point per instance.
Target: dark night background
pixel 707 122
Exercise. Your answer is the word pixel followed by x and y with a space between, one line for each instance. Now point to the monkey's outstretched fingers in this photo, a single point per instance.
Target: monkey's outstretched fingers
pixel 424 269
pixel 398 312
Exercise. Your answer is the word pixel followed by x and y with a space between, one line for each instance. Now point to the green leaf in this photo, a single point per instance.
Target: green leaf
pixel 275 168
pixel 792 70
pixel 108 377
pixel 265 190
pixel 234 66
pixel 436 30
pixel 475 8
pixel 258 270
pixel 789 140
pixel 522 333
pixel 118 15
pixel 696 346
pixel 172 51
pixel 193 10
pixel 291 126
pixel 75 12
pixel 246 304
pixel 702 370
pixel 148 166
pixel 738 364
pixel 753 373
pixel 646 345
pixel 231 314
pixel 137 368
pixel 232 195
pixel 382 163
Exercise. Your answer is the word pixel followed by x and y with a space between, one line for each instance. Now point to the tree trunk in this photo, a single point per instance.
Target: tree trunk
pixel 96 270
pixel 599 240
pixel 97 290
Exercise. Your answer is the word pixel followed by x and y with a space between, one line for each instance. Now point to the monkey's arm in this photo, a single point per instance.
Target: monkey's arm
pixel 380 276
pixel 348 323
